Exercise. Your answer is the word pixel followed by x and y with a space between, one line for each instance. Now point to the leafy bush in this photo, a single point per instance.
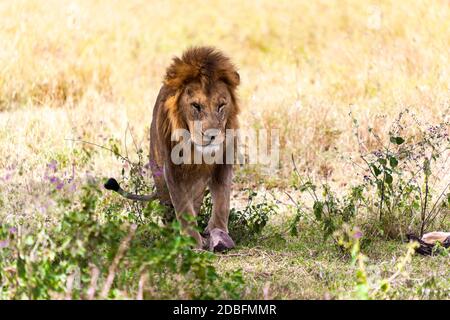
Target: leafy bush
pixel 88 256
pixel 408 173
pixel 245 224
pixel 403 188
pixel 329 212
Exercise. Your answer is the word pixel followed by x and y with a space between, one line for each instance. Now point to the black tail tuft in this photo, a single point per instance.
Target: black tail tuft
pixel 112 184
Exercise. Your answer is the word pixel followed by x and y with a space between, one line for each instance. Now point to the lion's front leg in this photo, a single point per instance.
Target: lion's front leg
pixel 220 187
pixel 182 196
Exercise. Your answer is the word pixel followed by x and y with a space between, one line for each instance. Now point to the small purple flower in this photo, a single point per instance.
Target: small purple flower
pixel 53 179
pixel 60 185
pixel 357 235
pixel 4 244
pixel 13 230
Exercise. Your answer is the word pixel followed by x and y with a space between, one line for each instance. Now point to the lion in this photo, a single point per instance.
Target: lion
pixel 198 96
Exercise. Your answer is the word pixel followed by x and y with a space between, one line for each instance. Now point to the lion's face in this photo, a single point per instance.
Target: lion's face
pixel 205 112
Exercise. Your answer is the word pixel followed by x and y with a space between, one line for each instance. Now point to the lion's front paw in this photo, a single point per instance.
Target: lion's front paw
pixel 219 240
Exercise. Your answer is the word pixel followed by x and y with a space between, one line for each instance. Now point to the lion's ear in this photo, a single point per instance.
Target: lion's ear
pixel 231 78
pixel 237 78
pixel 179 73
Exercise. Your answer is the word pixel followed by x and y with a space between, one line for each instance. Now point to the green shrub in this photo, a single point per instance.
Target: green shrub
pixel 407 173
pixel 403 189
pixel 245 224
pixel 86 256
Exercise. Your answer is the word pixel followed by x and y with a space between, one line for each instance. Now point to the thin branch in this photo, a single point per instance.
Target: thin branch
pixel 69 286
pixel 95 272
pixel 115 263
pixel 102 147
pixel 142 281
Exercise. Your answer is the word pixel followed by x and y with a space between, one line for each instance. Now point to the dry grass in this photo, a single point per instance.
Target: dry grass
pixel 90 69
pixel 98 66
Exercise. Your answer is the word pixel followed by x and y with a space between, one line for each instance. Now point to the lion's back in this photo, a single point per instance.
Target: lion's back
pixel 157 147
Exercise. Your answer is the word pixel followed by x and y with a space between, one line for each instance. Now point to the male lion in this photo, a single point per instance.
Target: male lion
pixel 199 96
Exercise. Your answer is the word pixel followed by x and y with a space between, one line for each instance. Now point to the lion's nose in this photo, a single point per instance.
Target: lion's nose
pixel 211 136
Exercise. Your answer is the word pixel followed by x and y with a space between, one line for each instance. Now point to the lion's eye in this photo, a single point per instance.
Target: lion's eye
pixel 220 107
pixel 196 106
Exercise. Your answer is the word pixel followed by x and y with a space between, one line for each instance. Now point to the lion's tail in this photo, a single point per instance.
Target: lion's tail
pixel 113 185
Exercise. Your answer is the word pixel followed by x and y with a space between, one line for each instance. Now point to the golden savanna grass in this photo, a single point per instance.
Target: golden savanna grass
pixel 91 69
pixel 83 68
